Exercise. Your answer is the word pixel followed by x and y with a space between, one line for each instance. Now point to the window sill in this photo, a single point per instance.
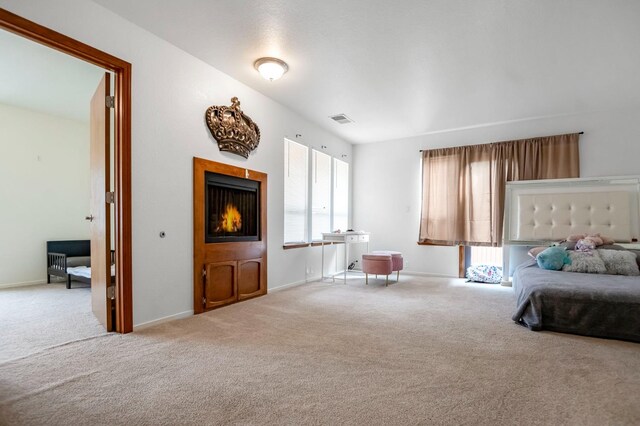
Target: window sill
pixel 312 244
pixel 426 243
pixel 294 245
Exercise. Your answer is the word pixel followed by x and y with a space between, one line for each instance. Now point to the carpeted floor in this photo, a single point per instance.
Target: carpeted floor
pixel 423 351
pixel 36 317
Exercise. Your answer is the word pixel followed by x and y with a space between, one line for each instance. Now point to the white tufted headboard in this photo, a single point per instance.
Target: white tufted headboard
pixel 541 211
pixel 555 216
pixel 551 210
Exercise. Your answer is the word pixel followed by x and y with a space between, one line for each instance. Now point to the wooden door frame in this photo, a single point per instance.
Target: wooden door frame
pixel 122 136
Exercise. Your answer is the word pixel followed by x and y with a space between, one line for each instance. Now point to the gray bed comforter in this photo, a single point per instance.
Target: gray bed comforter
pixel 588 304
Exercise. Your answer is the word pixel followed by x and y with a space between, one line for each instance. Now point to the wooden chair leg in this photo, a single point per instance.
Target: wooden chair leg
pixel 386 283
pixel 398 276
pixel 366 279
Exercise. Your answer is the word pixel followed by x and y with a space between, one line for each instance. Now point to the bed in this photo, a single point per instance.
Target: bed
pixel 71 260
pixel 83 274
pixel 570 302
pixel 541 212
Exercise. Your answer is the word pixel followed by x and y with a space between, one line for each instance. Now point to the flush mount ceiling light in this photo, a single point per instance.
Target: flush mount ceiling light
pixel 271 68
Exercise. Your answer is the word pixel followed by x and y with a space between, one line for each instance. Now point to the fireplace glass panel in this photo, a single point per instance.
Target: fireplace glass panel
pixel 231 209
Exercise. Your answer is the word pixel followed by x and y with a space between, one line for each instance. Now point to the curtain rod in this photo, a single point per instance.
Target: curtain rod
pixel 580 133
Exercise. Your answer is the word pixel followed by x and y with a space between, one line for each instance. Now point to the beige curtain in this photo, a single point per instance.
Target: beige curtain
pixel 463 187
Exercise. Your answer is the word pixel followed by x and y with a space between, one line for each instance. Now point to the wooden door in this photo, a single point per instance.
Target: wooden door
pixel 100 217
pixel 250 282
pixel 220 284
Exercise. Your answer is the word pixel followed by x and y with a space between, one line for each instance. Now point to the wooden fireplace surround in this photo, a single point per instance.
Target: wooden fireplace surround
pixel 226 272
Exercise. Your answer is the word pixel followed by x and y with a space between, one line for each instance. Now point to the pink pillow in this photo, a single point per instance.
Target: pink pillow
pixel 606 240
pixel 597 240
pixel 535 251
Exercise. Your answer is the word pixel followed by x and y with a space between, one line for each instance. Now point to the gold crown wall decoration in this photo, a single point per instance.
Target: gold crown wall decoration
pixel 233 130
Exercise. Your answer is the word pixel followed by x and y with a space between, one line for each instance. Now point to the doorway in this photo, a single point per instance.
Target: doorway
pixel 122 151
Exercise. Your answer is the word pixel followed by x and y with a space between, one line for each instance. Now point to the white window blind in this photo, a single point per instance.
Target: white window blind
pixel 316 193
pixel 296 183
pixel 321 194
pixel 340 195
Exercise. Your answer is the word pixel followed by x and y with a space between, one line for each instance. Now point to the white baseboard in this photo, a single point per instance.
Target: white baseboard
pixel 427 274
pixel 318 278
pixel 295 283
pixel 173 317
pixel 23 284
pixel 187 314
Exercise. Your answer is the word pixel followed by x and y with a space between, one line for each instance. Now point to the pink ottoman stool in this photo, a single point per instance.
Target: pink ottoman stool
pixel 379 264
pixel 396 259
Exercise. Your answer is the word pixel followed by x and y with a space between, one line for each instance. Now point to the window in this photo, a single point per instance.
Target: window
pixel 314 202
pixel 320 194
pixel 340 195
pixel 463 187
pixel 296 183
pixel 484 256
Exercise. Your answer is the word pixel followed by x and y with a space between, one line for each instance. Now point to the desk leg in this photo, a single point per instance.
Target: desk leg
pixel 346 251
pixel 335 256
pixel 322 264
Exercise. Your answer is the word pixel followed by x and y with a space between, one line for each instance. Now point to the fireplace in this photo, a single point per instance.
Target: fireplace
pixel 232 209
pixel 230 234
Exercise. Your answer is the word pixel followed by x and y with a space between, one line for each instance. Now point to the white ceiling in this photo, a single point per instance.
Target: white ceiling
pixel 408 67
pixel 42 79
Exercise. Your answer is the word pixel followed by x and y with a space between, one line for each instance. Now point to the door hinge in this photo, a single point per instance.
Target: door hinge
pixel 110 101
pixel 110 197
pixel 204 272
pixel 111 292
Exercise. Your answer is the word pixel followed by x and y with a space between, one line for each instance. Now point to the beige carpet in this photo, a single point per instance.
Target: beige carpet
pixel 423 351
pixel 36 317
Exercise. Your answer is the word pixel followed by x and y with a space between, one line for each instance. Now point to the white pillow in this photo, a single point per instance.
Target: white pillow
pixel 619 262
pixel 589 262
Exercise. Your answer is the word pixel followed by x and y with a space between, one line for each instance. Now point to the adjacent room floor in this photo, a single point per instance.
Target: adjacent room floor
pixel 34 318
pixel 422 351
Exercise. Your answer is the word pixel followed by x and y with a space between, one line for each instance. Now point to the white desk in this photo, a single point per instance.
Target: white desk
pixel 347 238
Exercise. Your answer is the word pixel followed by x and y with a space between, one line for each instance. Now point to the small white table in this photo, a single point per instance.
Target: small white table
pixel 346 238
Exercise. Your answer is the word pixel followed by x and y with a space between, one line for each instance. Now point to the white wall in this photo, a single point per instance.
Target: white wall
pixel 171 91
pixel 44 189
pixel 387 175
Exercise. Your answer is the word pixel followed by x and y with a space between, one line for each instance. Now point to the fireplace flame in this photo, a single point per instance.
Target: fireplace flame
pixel 231 220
